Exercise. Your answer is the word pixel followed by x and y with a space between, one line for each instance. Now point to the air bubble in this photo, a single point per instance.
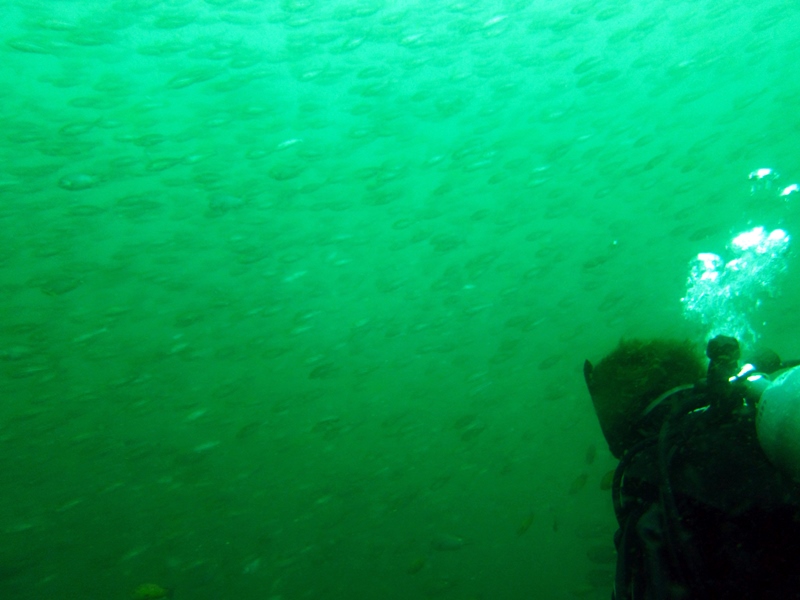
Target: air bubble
pixel 723 296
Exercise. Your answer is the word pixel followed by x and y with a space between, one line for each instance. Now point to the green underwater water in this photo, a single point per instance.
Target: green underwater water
pixel 295 294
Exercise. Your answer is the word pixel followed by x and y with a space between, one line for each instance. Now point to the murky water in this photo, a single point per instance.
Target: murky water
pixel 291 288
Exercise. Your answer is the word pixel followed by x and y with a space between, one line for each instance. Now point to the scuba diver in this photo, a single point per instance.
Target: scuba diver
pixel 706 493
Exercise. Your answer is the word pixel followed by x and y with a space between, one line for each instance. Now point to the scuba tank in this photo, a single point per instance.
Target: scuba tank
pixel 778 422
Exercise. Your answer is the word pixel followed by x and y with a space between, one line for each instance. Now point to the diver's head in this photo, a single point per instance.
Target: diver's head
pixel 625 382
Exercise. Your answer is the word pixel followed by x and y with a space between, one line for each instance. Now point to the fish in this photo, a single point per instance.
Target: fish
pixel 607 480
pixel 447 542
pixel 525 524
pixel 579 483
pixel 591 454
pixel 417 565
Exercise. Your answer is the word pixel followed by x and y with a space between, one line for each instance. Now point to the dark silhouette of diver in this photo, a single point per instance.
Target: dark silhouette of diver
pixel 702 511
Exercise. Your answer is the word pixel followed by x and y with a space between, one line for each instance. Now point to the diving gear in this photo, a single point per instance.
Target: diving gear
pixel 778 422
pixel 703 512
pixel 624 384
pixel 723 355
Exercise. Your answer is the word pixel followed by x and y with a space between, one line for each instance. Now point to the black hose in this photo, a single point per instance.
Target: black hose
pixel 683 555
pixel 788 364
pixel 619 473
